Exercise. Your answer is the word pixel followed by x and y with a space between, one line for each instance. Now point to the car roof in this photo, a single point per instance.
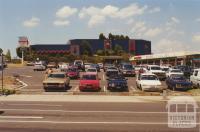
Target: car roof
pixel 89 73
pixel 56 72
pixel 147 73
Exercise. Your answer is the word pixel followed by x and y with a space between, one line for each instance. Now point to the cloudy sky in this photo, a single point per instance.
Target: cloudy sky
pixel 171 25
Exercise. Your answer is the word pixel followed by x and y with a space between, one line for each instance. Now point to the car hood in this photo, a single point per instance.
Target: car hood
pixel 157 71
pixel 150 82
pixel 181 81
pixel 89 81
pixel 54 80
pixel 117 81
pixel 72 73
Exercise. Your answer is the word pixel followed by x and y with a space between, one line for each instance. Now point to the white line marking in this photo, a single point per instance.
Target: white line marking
pixel 76 88
pixel 70 111
pixel 103 77
pixel 33 105
pixel 105 122
pixel 21 117
pixel 104 88
pixel 23 83
pixel 133 88
pixel 26 76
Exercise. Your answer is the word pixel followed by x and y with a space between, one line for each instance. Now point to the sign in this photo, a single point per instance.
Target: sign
pixel 131 45
pixel 107 44
pixel 23 41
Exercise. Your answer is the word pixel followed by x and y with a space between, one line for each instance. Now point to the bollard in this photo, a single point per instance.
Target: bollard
pixel 164 94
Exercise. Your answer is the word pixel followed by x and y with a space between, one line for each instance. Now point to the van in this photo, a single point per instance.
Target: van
pixel 195 77
pixel 155 69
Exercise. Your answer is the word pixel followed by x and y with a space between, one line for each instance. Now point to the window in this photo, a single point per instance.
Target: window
pixel 195 73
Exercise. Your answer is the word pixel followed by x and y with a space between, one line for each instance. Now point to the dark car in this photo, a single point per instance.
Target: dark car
pixel 112 71
pixel 73 73
pixel 127 69
pixel 95 66
pixel 117 83
pixel 185 69
pixel 178 82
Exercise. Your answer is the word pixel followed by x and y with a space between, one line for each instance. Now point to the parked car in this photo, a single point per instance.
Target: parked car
pixel 148 82
pixel 106 66
pixel 64 66
pixel 87 65
pixel 187 71
pixel 195 78
pixel 39 67
pixel 95 66
pixel 127 69
pixel 112 71
pixel 79 64
pixel 178 82
pixel 73 73
pixel 117 82
pixel 56 80
pixel 155 69
pixel 92 70
pixel 30 63
pixel 51 65
pixel 89 81
pixel 100 65
pixel 173 72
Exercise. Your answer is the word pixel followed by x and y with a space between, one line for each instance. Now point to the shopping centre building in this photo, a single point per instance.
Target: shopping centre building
pixel 175 58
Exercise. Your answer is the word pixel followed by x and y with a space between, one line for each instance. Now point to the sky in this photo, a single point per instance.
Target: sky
pixel 170 25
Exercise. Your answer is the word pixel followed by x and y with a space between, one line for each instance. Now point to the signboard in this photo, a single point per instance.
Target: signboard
pixel 23 41
pixel 75 49
pixel 107 44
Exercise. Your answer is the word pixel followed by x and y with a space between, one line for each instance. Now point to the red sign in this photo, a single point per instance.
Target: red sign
pixel 132 45
pixel 23 41
pixel 107 44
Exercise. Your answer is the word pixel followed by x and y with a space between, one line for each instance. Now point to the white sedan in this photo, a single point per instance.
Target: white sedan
pixel 148 82
pixel 173 72
pixel 92 70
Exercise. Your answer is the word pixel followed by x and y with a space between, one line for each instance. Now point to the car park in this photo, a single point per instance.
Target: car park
pixel 155 69
pixel 107 65
pixel 56 80
pixel 100 65
pixel 92 70
pixel 73 73
pixel 112 71
pixel 195 78
pixel 148 82
pixel 39 67
pixel 178 82
pixel 173 72
pixel 51 65
pixel 127 69
pixel 95 66
pixel 89 81
pixel 79 64
pixel 117 83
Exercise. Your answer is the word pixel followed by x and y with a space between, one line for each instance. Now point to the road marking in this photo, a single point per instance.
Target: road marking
pixel 76 88
pixel 21 117
pixel 70 111
pixel 105 122
pixel 103 77
pixel 26 76
pixel 23 83
pixel 33 105
pixel 134 89
pixel 104 88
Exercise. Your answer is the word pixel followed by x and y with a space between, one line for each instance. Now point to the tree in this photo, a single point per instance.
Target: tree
pixel 110 36
pixel 87 50
pixel 126 37
pixel 19 52
pixel 101 36
pixel 8 55
pixel 118 49
pixel 1 50
pixel 100 52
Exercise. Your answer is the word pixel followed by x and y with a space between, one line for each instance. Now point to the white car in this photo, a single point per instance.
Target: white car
pixel 100 65
pixel 148 82
pixel 63 66
pixel 39 67
pixel 155 69
pixel 173 72
pixel 87 65
pixel 195 78
pixel 92 70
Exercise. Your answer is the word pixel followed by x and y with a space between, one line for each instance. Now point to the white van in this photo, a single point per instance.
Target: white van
pixel 195 78
pixel 155 69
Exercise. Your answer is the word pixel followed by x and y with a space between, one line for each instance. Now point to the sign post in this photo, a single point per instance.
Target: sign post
pixel 2 68
pixel 23 43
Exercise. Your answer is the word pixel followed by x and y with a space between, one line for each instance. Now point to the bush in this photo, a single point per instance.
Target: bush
pixel 7 91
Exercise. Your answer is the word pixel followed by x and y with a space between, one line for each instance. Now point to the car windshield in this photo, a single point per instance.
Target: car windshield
pixel 116 77
pixel 56 76
pixel 155 68
pixel 72 70
pixel 112 68
pixel 178 78
pixel 176 71
pixel 128 66
pixel 149 77
pixel 165 69
pixel 91 70
pixel 89 77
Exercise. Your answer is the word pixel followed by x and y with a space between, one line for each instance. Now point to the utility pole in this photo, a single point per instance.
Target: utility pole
pixel 2 68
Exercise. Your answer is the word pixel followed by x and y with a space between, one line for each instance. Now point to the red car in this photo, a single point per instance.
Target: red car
pixel 73 73
pixel 89 81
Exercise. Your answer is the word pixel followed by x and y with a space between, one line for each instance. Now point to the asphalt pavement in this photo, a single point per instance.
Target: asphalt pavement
pixel 86 117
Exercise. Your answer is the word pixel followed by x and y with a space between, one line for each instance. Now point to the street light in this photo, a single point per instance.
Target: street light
pixel 2 67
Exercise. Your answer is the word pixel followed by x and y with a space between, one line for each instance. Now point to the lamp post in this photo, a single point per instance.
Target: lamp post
pixel 2 67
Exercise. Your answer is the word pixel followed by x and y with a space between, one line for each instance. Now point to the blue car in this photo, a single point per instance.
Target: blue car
pixel 117 83
pixel 178 82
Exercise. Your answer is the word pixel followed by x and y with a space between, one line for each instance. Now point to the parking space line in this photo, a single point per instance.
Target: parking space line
pixel 103 77
pixel 134 89
pixel 104 88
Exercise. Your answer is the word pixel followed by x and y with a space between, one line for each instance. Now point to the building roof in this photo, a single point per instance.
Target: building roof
pixel 164 55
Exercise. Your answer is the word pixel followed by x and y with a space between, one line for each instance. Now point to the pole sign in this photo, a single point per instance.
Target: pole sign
pixel 23 41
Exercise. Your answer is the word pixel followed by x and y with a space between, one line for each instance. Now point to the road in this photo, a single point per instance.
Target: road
pixel 34 81
pixel 85 117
